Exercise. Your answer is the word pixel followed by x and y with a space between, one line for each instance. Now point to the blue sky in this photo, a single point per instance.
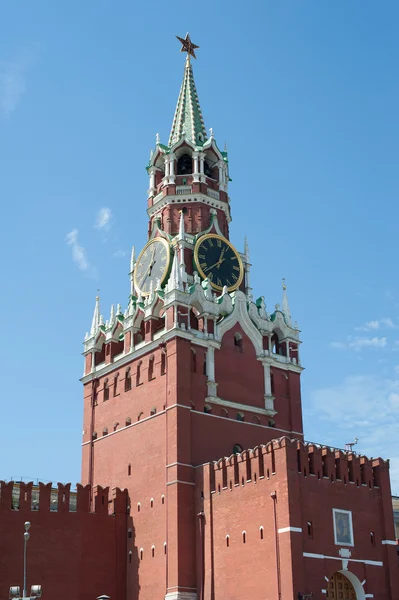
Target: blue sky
pixel 306 96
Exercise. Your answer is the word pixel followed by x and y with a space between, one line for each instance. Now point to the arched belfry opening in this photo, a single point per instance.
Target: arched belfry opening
pixel 185 165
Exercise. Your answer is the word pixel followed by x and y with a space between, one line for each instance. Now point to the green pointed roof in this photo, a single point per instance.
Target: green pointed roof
pixel 188 121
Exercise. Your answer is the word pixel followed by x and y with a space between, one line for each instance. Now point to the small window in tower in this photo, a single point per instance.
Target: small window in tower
pixel 207 409
pixel 207 169
pixel 310 529
pixel 237 449
pixel 152 551
pixel 185 165
pixel 130 556
pixel 128 380
pixel 162 499
pixel 129 469
pixel 152 502
pixel 163 363
pixel 240 416
pixel 116 384
pixel 238 342
pixel 138 506
pixel 151 368
pixel 244 537
pixel 106 390
pixel 261 533
pixel 138 374
pixel 164 548
pixel 141 553
pixel 275 344
pixel 193 361
pixel 129 533
pixel 227 541
pixel 372 539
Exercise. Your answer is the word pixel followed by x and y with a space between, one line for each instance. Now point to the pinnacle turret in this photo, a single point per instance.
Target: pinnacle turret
pixel 285 306
pixel 188 121
pixel 96 317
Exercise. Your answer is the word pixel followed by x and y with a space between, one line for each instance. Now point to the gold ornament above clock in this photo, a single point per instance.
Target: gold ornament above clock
pixel 152 265
pixel 216 259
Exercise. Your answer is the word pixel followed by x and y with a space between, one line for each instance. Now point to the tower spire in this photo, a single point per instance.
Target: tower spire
pixel 285 306
pixel 96 317
pixel 188 120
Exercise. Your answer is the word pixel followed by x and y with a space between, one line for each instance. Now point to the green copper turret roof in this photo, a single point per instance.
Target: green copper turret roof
pixel 188 121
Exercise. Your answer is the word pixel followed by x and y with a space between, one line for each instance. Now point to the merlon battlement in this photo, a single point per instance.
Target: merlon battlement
pixel 20 496
pixel 307 459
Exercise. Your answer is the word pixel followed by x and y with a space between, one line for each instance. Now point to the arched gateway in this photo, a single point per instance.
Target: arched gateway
pixel 344 586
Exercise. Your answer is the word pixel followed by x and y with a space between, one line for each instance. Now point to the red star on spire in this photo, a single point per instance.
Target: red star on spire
pixel 187 45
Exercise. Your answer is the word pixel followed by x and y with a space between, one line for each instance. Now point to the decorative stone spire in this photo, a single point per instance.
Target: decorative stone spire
pixel 285 306
pixel 175 282
pixel 180 237
pixel 96 317
pixel 181 227
pixel 132 259
pixel 112 316
pixel 188 116
pixel 247 268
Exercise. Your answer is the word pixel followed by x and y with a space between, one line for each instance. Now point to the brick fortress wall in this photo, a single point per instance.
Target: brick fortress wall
pixel 266 516
pixel 73 552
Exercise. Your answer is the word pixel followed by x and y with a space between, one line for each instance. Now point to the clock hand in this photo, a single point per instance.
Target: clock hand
pixel 218 263
pixel 211 266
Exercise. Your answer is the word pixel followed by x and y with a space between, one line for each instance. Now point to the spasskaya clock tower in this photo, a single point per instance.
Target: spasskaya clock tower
pixel 192 369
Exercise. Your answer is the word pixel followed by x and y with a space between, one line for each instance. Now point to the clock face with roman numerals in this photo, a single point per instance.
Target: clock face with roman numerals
pixel 152 265
pixel 216 259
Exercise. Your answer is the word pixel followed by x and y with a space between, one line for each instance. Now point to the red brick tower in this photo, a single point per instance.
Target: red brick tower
pixel 194 369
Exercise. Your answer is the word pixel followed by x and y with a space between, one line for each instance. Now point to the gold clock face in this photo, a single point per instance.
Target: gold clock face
pixel 152 265
pixel 216 259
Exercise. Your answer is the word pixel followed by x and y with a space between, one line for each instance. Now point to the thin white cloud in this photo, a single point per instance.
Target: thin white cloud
pixel 338 345
pixel 385 323
pixel 366 407
pixel 358 343
pixel 363 342
pixel 78 252
pixel 119 254
pixel 103 219
pixel 12 84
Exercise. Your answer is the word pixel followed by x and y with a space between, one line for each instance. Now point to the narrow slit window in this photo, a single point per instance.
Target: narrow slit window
pixel 310 529
pixel 128 380
pixel 115 392
pixel 138 374
pixel 106 390
pixel 151 368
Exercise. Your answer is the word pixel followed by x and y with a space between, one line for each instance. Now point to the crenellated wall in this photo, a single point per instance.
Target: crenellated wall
pixel 73 552
pixel 266 515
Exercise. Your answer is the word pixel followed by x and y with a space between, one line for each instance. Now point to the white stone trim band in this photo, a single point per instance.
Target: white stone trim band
pixel 180 481
pixel 376 563
pixel 294 529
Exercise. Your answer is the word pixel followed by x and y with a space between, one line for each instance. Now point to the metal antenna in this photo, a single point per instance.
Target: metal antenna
pixel 349 446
